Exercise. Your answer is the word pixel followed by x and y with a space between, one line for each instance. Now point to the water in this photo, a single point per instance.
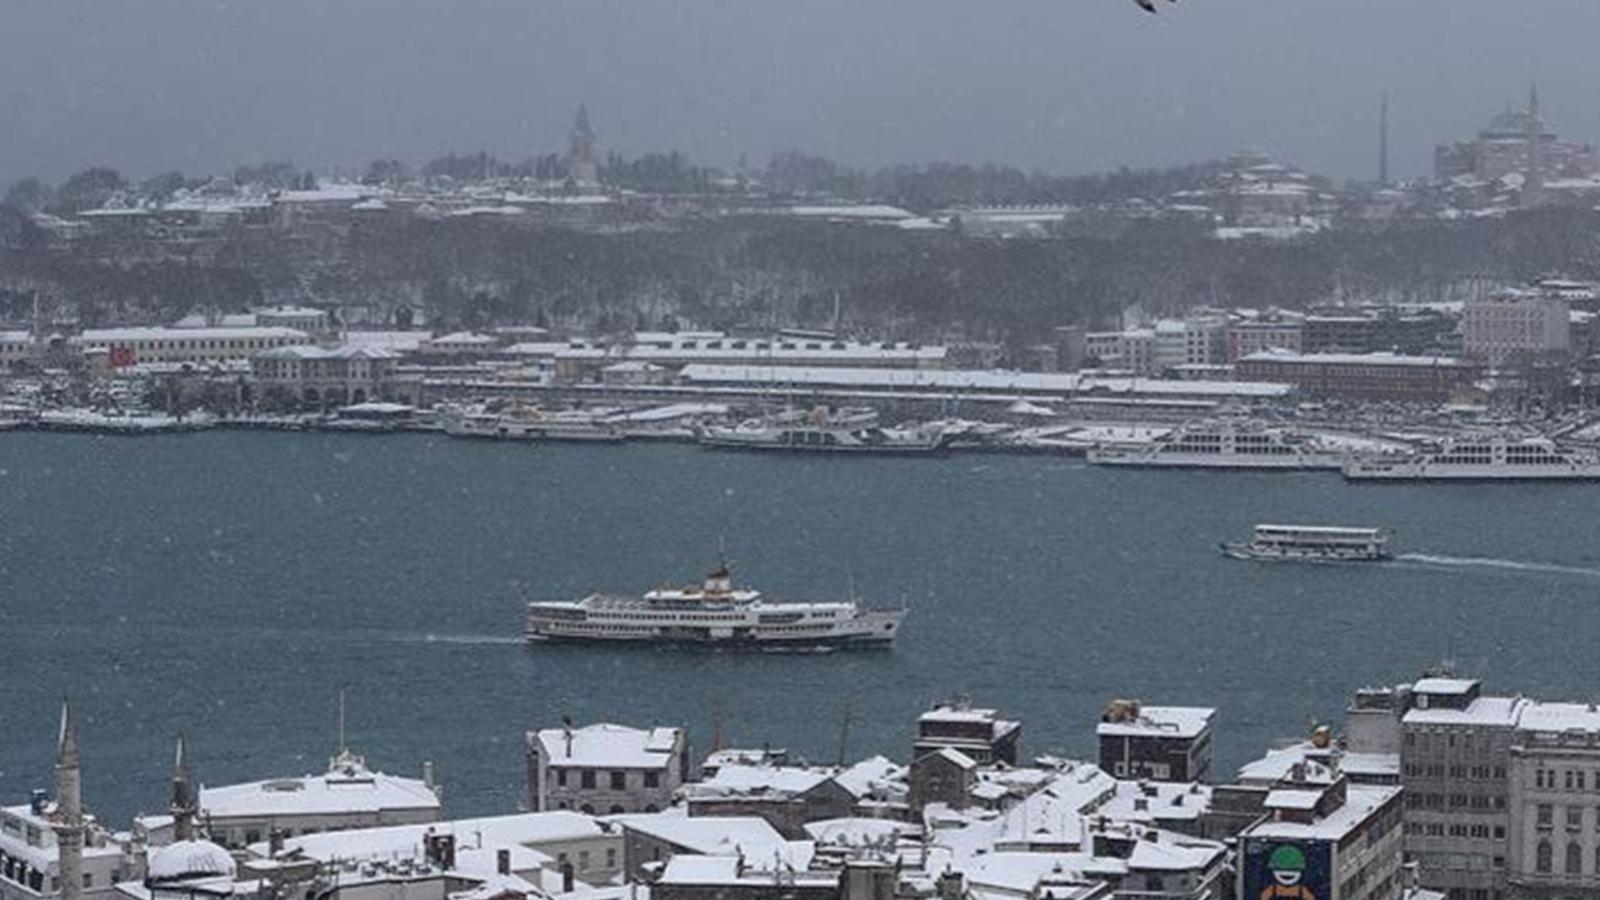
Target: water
pixel 228 585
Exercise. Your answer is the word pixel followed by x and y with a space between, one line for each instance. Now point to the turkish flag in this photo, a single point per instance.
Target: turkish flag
pixel 123 356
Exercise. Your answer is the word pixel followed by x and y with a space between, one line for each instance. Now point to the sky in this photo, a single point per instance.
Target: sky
pixel 1063 86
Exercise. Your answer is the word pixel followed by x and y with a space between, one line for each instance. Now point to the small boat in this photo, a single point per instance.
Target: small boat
pixel 1313 543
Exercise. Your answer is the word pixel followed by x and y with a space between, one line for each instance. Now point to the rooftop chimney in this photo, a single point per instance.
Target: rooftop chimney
pixel 502 861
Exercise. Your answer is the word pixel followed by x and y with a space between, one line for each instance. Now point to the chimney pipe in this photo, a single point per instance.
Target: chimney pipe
pixel 502 862
pixel 567 878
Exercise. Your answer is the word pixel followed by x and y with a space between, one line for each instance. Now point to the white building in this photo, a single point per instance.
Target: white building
pixel 1555 802
pixel 125 347
pixel 1513 325
pixel 536 847
pixel 348 795
pixel 1199 340
pixel 606 768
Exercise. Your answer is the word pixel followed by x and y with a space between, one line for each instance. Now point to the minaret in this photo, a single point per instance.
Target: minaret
pixel 183 806
pixel 69 808
pixel 585 169
pixel 1533 179
pixel 1383 143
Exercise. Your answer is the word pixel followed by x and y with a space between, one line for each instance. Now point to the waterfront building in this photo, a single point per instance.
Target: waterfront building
pixel 1516 326
pixel 1161 743
pixel 1362 376
pixel 125 347
pixel 606 768
pixel 54 848
pixel 1554 803
pixel 979 734
pixel 1455 754
pixel 313 375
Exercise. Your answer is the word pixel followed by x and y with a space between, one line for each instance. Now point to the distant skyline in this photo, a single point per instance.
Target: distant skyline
pixel 1063 86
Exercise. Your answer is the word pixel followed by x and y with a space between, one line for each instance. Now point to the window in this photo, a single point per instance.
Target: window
pixel 652 779
pixel 583 860
pixel 1574 817
pixel 611 857
pixel 561 777
pixel 1574 859
pixel 1543 857
pixel 619 781
pixel 1546 814
pixel 586 778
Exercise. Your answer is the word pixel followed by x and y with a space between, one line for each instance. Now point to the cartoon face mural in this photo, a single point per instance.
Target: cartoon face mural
pixel 1288 865
pixel 1287 869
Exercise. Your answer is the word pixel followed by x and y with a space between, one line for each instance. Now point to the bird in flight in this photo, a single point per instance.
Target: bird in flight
pixel 1149 6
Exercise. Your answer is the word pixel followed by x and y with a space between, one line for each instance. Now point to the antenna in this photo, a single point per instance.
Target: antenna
pixel 341 722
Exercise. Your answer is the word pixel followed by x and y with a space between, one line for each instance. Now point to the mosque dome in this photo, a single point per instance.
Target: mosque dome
pixel 183 860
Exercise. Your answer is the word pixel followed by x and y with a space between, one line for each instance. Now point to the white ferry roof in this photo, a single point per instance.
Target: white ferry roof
pixel 1322 530
pixel 609 746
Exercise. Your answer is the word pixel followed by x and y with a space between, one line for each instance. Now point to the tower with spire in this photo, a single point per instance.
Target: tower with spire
pixel 183 803
pixel 1533 178
pixel 1383 143
pixel 583 165
pixel 68 825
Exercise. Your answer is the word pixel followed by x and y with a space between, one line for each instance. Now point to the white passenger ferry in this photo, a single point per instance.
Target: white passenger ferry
pixel 712 613
pixel 1488 458
pixel 531 425
pixel 1224 445
pixel 1314 543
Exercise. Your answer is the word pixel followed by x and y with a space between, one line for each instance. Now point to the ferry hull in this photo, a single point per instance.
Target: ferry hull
pixel 1468 474
pixel 931 449
pixel 1231 463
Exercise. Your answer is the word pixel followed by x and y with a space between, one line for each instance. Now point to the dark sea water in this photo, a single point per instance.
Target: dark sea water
pixel 229 585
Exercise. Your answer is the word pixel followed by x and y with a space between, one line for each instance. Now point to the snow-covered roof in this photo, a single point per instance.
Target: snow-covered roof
pixel 1560 717
pixel 334 792
pixel 859 211
pixel 1361 801
pixel 719 835
pixel 972 380
pixel 608 746
pixel 1284 798
pixel 182 860
pixel 1384 358
pixel 522 830
pixel 961 760
pixel 1444 686
pixel 857 832
pixel 311 351
pixel 1484 711
pixel 157 333
pixel 464 339
pixel 1161 721
pixel 1156 801
pixel 398 341
pixel 871 775
pixel 756 781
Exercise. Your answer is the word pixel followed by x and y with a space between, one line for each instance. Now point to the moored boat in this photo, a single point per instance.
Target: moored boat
pixel 1484 458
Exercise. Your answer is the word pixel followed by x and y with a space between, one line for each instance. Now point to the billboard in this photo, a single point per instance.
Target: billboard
pixel 1286 869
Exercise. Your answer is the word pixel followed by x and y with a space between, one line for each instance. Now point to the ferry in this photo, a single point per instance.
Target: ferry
pixel 1314 543
pixel 1491 458
pixel 817 436
pixel 1223 445
pixel 531 425
pixel 714 613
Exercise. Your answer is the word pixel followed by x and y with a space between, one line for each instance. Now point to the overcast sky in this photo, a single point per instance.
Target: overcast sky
pixel 1060 85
